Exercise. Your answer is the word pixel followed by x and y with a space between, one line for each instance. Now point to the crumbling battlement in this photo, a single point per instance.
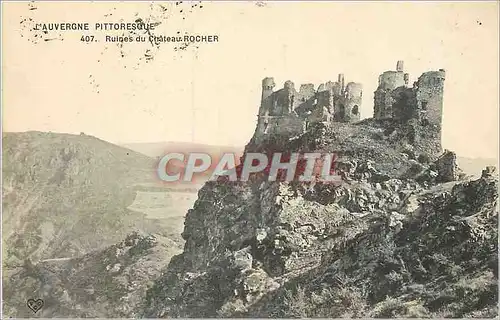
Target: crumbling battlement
pixel 288 111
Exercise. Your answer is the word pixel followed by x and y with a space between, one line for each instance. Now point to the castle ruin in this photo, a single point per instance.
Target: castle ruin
pixel 290 112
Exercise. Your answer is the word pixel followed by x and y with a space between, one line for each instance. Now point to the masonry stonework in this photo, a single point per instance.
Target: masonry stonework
pixel 288 111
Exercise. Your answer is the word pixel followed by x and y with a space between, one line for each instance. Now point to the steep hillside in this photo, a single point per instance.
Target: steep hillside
pixel 404 235
pixel 69 201
pixel 64 195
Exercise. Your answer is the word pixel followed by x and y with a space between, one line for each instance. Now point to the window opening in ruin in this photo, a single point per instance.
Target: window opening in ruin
pixel 266 121
pixel 424 105
pixel 355 110
pixel 341 111
pixel 266 126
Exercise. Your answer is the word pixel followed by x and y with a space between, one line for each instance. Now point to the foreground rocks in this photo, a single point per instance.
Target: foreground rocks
pixel 405 235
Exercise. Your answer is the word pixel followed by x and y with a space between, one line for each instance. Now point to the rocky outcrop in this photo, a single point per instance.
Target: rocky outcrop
pixel 447 167
pixel 106 284
pixel 401 236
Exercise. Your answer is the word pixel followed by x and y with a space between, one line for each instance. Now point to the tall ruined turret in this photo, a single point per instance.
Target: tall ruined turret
pixel 267 87
pixel 266 102
pixel 341 82
pixel 289 97
pixel 400 66
pixel 429 96
pixel 388 81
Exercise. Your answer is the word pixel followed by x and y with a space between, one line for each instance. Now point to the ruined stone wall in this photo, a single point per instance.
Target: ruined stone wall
pixel 383 102
pixel 404 104
pixel 286 125
pixel 352 102
pixel 288 111
pixel 325 99
pixel 423 102
pixel 281 102
pixel 306 92
pixel 429 95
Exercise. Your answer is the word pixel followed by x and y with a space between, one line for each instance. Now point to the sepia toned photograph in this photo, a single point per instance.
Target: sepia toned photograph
pixel 249 159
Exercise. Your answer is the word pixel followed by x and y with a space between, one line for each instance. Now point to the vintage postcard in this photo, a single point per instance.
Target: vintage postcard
pixel 250 159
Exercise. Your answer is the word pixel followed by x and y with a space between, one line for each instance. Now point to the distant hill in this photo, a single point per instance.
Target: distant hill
pixel 64 195
pixel 474 166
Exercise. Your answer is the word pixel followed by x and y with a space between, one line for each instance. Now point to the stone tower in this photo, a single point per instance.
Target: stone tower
pixel 418 108
pixel 268 85
pixel 429 96
pixel 387 82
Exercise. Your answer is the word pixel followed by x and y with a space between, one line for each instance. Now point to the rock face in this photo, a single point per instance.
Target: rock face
pixel 108 283
pixel 401 236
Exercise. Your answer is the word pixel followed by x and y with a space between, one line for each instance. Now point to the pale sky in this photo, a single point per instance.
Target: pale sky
pixel 70 86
